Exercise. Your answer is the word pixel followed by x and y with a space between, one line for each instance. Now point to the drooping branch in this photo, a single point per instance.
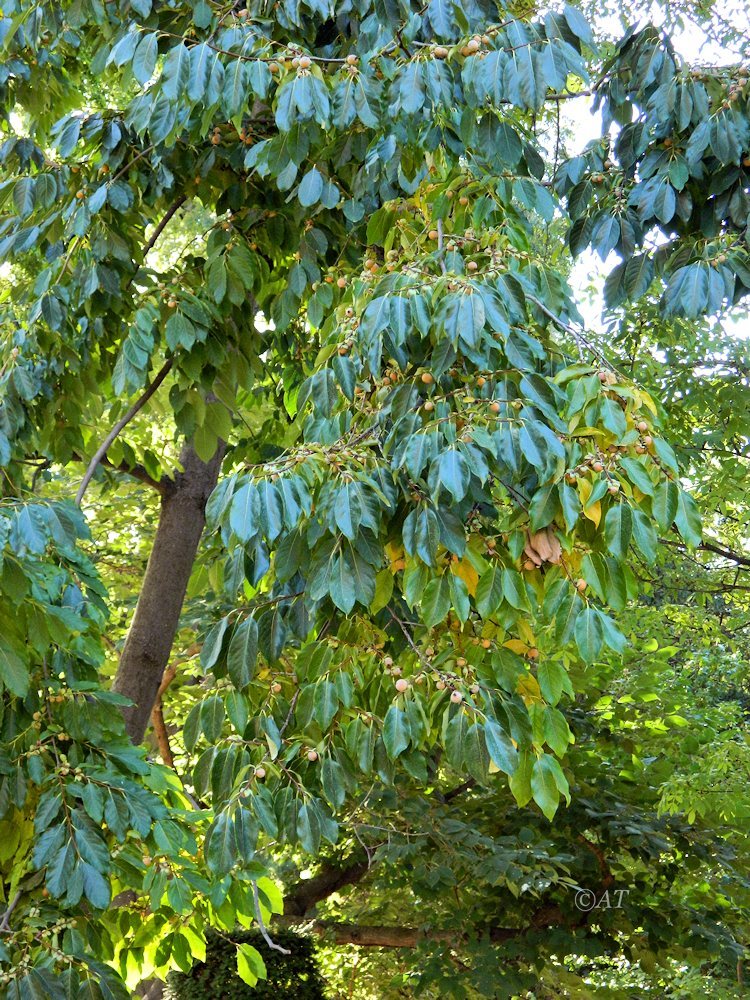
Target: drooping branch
pixel 122 422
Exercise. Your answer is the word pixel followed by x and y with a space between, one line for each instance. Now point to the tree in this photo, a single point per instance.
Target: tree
pixel 428 489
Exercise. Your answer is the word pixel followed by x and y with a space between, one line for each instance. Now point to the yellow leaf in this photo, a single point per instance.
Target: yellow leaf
pixel 464 569
pixel 528 688
pixel 517 646
pixel 395 554
pixel 594 512
pixel 584 490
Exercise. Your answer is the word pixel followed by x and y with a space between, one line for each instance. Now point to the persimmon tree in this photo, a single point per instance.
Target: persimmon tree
pixel 424 483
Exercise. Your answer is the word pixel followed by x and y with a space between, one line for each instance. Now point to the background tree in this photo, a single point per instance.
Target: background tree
pixel 299 272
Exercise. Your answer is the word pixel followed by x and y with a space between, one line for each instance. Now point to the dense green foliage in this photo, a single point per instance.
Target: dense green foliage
pixel 434 610
pixel 294 975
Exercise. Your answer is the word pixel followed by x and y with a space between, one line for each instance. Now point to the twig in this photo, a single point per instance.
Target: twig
pixel 440 245
pixel 138 405
pixel 177 204
pixel 5 922
pixel 263 931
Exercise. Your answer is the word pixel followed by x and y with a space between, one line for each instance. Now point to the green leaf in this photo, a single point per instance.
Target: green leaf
pixel 250 964
pixel 688 519
pixel 396 731
pixel 13 671
pixel 242 653
pixel 589 634
pixel 436 601
pixel 310 188
pixel 489 591
pixel 514 590
pixel 618 529
pixel 500 747
pixel 665 503
pixel 547 782
pixel 244 514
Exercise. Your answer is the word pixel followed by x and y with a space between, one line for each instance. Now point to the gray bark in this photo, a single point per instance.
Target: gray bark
pixel 156 618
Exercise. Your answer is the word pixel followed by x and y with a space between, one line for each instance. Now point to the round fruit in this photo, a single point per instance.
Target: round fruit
pixel 533 653
pixel 456 697
pixel 276 687
pixel 472 45
pixel 581 585
pixel 428 378
pixel 648 440
pixel 433 234
pixel 461 662
pixel 642 426
pixel 312 756
pixel 305 63
pixel 440 52
pixel 387 661
pixel 529 566
pixel 260 773
pixel 402 685
pixel 352 60
pixel 463 200
pixel 494 407
pixel 440 685
pixel 597 466
pixel 472 265
pixel 481 382
pixel 474 689
pixel 273 68
pixel 614 488
pixel 341 282
pixel 172 304
pixel 429 406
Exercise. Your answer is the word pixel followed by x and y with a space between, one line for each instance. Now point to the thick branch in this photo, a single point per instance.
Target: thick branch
pixel 308 892
pixel 135 408
pixel 367 936
pixel 164 222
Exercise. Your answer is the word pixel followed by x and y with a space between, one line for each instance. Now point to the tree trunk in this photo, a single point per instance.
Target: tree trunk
pixel 152 631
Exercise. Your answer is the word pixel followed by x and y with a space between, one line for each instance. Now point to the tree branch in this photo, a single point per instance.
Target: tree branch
pixel 157 718
pixel 719 550
pixel 163 223
pixel 308 892
pixel 135 408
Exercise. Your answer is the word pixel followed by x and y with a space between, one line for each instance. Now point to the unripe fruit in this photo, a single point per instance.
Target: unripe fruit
pixel 387 661
pixel 440 685
pixel 472 45
pixel 581 585
pixel 312 756
pixel 529 566
pixel 352 60
pixel 402 685
pixel 79 195
pixel 463 200
pixel 260 773
pixel 215 139
pixel 533 653
pixel 273 68
pixel 474 689
pixel 481 382
pixel 494 407
pixel 647 440
pixel 341 282
pixel 305 62
pixel 613 488
pixel 440 52
pixel 276 687
pixel 603 377
pixel 486 643
pixel 597 466
pixel 172 304
pixel 429 406
pixel 456 697
pixel 427 377
pixel 472 265
pixel 433 234
pixel 642 426
pixel 461 662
